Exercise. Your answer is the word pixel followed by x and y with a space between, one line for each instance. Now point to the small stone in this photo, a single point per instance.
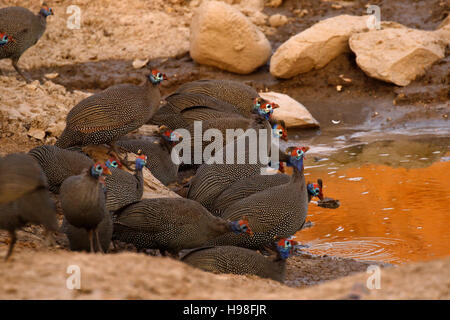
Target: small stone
pixel 277 20
pixel 52 75
pixel 138 63
pixel 339 88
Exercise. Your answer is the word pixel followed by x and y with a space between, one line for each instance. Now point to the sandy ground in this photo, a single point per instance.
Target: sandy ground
pixel 43 274
pixel 100 54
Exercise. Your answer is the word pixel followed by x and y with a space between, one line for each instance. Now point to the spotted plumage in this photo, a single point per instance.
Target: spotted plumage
pixel 24 29
pixel 24 196
pixel 235 93
pixel 106 116
pixel 83 200
pixel 123 188
pixel 237 260
pixel 59 164
pixel 279 211
pixel 158 151
pixel 170 224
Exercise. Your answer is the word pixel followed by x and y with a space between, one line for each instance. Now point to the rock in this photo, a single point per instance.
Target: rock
pixel 277 20
pixel 223 37
pixel 138 63
pixel 51 75
pixel 258 18
pixel 396 53
pixel 294 114
pixel 316 46
pixel 274 3
pixel 36 133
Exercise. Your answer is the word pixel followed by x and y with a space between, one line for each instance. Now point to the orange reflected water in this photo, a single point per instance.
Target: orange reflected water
pixel 391 214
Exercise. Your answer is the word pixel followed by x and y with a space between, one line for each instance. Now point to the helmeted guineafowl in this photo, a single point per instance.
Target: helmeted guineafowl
pixel 79 237
pixel 279 211
pixel 248 186
pixel 171 224
pixel 106 116
pixel 59 164
pixel 240 95
pixel 182 109
pixel 158 151
pixel 83 200
pixel 23 29
pixel 123 188
pixel 211 180
pixel 237 260
pixel 24 196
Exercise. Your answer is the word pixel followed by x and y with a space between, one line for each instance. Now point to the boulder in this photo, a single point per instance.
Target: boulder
pixel 223 37
pixel 292 112
pixel 316 46
pixel 396 53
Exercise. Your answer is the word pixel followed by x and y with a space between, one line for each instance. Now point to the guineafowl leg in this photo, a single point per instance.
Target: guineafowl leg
pixel 13 237
pixel 91 240
pixel 99 245
pixel 14 64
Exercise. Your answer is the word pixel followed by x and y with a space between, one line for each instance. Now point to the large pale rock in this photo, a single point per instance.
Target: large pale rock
pixel 294 114
pixel 396 53
pixel 223 37
pixel 316 46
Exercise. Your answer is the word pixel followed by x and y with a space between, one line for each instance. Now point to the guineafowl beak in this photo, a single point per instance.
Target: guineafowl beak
pixel 107 171
pixel 274 105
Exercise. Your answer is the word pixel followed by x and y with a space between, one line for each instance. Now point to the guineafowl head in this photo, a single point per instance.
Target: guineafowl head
pixel 46 10
pixel 315 189
pixel 113 163
pixel 296 156
pixel 169 135
pixel 99 169
pixel 241 226
pixel 140 162
pixel 156 77
pixel 279 130
pixel 4 39
pixel 285 247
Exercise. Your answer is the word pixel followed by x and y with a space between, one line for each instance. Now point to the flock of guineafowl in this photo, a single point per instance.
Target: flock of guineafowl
pixel 232 219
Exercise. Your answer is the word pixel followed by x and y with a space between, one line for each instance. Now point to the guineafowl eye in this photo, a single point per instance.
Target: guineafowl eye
pixel 114 164
pixel 98 168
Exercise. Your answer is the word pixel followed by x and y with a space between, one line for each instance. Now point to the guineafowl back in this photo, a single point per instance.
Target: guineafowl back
pixel 167 223
pixel 59 164
pixel 236 260
pixel 110 114
pixel 244 188
pixel 123 188
pixel 235 93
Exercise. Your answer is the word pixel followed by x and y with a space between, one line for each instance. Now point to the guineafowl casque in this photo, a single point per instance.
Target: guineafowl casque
pixel 239 95
pixel 59 164
pixel 24 196
pixel 158 151
pixel 22 29
pixel 83 201
pixel 237 260
pixel 123 188
pixel 106 116
pixel 171 224
pixel 279 211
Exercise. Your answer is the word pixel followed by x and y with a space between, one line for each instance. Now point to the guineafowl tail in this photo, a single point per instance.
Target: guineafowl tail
pixel 67 139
